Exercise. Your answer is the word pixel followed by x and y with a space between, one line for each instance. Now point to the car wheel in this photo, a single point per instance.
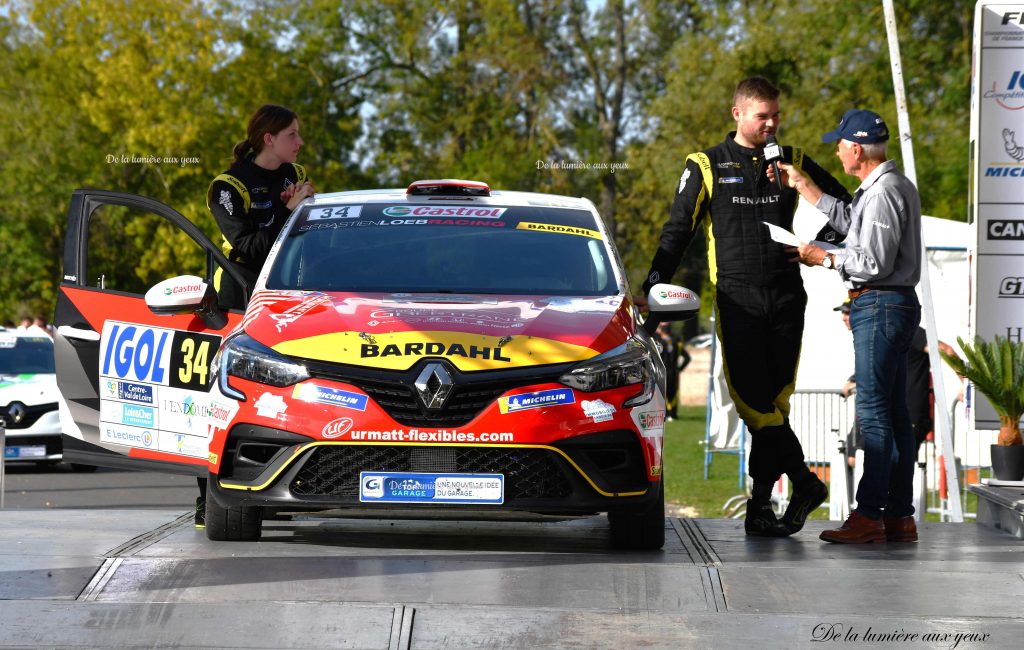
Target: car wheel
pixel 234 523
pixel 642 528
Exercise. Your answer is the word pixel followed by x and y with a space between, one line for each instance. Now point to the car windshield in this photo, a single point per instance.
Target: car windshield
pixel 445 247
pixel 24 355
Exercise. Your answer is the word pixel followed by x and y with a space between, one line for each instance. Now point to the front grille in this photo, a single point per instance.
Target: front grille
pixel 404 407
pixel 29 416
pixel 529 473
pixel 471 393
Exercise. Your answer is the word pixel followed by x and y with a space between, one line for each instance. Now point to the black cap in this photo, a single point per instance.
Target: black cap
pixel 860 126
pixel 845 307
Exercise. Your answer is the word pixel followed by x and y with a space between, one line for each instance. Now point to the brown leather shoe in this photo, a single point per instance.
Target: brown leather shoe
pixel 857 529
pixel 900 529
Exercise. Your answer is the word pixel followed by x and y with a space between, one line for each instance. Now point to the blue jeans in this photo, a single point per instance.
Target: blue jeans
pixel 883 323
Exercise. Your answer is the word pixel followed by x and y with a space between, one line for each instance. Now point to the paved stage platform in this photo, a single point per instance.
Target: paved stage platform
pixel 77 578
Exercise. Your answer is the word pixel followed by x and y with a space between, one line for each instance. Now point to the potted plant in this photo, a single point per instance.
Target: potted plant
pixel 996 369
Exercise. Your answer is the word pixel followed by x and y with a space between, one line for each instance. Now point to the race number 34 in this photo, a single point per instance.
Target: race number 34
pixel 191 354
pixel 156 355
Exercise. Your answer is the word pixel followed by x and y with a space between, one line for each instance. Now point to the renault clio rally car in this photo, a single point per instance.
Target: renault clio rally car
pixel 443 350
pixel 28 397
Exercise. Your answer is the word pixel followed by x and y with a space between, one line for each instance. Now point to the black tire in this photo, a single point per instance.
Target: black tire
pixel 234 523
pixel 640 529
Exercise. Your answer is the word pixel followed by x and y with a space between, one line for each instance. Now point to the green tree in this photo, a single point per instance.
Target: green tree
pixel 823 69
pixel 390 92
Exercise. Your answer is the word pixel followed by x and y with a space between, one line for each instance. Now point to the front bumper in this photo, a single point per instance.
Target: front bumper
pixel 38 440
pixel 580 475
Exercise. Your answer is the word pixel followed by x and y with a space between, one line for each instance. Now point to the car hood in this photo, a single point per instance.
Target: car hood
pixel 30 390
pixel 474 332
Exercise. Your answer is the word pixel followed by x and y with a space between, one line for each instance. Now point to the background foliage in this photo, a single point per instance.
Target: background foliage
pixel 392 91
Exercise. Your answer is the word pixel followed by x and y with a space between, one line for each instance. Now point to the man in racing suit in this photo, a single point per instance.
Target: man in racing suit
pixel 759 297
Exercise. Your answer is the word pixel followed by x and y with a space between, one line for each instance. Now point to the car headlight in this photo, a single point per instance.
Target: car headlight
pixel 244 357
pixel 628 364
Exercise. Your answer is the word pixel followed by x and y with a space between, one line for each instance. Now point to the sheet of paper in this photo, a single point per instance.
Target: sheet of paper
pixel 787 238
pixel 782 235
pixel 829 248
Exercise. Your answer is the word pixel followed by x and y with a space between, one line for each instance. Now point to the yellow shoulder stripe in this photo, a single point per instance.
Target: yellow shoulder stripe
pixel 704 163
pixel 705 170
pixel 798 158
pixel 235 183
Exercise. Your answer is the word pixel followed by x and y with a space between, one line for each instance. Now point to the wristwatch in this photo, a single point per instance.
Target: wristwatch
pixel 827 261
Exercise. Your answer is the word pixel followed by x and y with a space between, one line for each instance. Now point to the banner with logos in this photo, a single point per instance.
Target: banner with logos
pixel 997 131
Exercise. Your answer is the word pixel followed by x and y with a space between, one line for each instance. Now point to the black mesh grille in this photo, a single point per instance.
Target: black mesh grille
pixel 471 393
pixel 529 473
pixel 29 416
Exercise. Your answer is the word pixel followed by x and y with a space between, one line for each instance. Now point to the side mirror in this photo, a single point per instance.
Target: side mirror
pixel 186 294
pixel 669 302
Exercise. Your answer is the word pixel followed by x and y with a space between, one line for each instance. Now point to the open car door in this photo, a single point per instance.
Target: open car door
pixel 135 383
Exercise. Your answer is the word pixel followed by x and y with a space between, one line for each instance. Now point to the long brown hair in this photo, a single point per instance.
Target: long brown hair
pixel 269 118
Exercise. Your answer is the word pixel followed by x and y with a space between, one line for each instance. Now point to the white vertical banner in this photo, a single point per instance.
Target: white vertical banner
pixel 943 423
pixel 997 134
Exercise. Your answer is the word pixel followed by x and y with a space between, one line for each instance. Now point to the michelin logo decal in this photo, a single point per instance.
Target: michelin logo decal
pixel 555 397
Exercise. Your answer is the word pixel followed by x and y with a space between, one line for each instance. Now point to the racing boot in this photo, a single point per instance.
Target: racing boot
pixel 810 494
pixel 762 522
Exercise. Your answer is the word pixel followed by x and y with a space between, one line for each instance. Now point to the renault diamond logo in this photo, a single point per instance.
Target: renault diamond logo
pixel 434 385
pixel 16 412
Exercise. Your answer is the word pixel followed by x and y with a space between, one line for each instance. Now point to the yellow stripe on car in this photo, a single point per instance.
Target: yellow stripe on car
pixel 400 350
pixel 558 228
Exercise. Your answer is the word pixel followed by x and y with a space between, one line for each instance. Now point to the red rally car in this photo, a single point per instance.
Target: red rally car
pixel 445 350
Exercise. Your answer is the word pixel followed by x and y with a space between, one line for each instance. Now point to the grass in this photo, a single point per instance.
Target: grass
pixel 684 467
pixel 686 488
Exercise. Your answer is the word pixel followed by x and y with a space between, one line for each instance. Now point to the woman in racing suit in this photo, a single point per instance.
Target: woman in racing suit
pixel 251 202
pixel 252 199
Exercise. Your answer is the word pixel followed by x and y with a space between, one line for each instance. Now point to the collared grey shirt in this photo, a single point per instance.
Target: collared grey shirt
pixel 883 230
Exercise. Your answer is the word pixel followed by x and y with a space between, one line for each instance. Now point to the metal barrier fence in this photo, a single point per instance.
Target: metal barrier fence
pixel 822 420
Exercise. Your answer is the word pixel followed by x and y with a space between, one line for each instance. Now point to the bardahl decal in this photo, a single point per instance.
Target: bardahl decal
pixel 400 350
pixel 432 349
pixel 559 228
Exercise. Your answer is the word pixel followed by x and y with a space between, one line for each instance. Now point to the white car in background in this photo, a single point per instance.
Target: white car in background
pixel 29 397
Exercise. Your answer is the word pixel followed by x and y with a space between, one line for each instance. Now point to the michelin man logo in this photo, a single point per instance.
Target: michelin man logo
pixel 1010 144
pixel 682 180
pixel 225 200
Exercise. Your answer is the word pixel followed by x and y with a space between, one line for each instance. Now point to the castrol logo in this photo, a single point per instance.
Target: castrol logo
pixel 685 295
pixel 337 428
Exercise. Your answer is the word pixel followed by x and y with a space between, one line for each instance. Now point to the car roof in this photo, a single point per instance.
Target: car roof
pixel 7 332
pixel 497 197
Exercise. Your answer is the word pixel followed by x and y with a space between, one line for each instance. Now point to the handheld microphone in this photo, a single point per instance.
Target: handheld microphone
pixel 773 154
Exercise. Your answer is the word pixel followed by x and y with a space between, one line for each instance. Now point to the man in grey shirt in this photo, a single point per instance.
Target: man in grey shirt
pixel 880 266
